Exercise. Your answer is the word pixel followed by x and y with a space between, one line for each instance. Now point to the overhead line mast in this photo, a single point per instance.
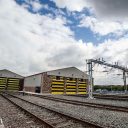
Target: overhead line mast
pixel 102 62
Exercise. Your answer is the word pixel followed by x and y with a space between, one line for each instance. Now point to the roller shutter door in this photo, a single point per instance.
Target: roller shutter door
pixel 3 82
pixel 71 86
pixel 57 85
pixel 82 86
pixel 13 84
pixel 10 84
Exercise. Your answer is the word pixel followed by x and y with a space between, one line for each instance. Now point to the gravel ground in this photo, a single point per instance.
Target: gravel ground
pixel 12 117
pixel 84 99
pixel 101 101
pixel 57 120
pixel 109 119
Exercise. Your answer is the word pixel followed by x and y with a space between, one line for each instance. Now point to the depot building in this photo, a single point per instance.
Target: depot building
pixel 61 81
pixel 10 81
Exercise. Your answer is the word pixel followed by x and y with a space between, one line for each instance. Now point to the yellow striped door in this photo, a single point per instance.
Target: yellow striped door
pixel 71 86
pixel 3 82
pixel 13 84
pixel 57 85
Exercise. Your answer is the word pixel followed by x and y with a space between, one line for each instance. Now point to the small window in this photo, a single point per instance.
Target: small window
pixel 58 77
pixel 71 79
pixel 37 89
pixel 67 78
pixel 81 80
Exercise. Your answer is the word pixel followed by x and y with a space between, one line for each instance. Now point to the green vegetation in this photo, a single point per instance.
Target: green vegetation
pixel 110 87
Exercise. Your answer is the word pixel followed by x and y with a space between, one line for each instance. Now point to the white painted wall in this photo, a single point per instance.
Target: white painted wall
pixel 33 81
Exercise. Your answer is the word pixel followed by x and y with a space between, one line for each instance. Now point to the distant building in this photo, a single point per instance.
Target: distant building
pixel 61 81
pixel 10 80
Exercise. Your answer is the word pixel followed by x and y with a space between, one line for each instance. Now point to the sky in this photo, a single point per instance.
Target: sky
pixel 41 35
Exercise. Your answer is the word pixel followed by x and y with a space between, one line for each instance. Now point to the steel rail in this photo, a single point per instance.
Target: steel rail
pixel 95 105
pixel 107 97
pixel 82 121
pixel 112 98
pixel 116 96
pixel 29 113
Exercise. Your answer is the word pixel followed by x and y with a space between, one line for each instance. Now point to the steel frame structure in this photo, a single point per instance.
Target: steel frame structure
pixel 102 62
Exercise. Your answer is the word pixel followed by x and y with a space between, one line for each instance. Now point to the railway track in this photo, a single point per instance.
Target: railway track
pixel 112 97
pixel 106 97
pixel 13 116
pixel 95 105
pixel 50 117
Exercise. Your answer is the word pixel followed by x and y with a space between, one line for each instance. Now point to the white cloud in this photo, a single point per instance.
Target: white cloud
pixel 103 27
pixel 36 5
pixel 23 35
pixel 33 43
pixel 110 9
pixel 113 9
pixel 111 17
pixel 72 5
pixel 112 51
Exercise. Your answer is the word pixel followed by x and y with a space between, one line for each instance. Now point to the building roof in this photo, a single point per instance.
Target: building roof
pixel 67 72
pixel 8 73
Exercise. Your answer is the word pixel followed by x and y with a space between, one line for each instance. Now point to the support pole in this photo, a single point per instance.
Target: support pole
pixel 102 62
pixel 124 79
pixel 90 80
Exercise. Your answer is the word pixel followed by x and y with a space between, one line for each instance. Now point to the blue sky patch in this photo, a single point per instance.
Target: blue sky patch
pixel 73 18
